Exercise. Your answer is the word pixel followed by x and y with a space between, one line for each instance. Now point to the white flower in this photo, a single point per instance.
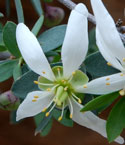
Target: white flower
pixel 59 84
pixel 112 49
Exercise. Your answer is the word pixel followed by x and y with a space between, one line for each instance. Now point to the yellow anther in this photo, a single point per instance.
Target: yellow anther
pixel 85 86
pixel 36 82
pixel 43 72
pixel 36 97
pixel 107 84
pixel 71 116
pixel 66 88
pixel 58 69
pixel 60 118
pixel 48 89
pixel 73 73
pixel 34 100
pixel 47 114
pixel 62 81
pixel 44 109
pixel 122 92
pixel 121 75
pixel 124 59
pixel 107 79
pixel 109 64
pixel 79 100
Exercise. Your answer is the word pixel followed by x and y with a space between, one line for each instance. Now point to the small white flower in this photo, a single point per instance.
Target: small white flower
pixel 112 49
pixel 59 84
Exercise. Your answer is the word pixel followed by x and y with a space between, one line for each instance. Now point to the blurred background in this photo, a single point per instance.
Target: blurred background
pixel 23 133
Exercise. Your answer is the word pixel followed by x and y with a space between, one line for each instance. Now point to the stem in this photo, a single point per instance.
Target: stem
pixel 69 4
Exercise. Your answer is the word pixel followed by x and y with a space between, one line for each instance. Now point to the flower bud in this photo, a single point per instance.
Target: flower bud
pixel 53 16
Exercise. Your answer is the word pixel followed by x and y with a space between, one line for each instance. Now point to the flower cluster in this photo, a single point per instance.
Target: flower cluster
pixel 61 85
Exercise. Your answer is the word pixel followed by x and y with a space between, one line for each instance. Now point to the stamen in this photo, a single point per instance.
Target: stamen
pixel 58 69
pixel 71 113
pixel 38 83
pixel 44 110
pixel 107 79
pixel 121 75
pixel 73 73
pixel 48 89
pixel 85 86
pixel 78 99
pixel 122 92
pixel 60 118
pixel 66 88
pixel 123 59
pixel 36 97
pixel 43 72
pixel 54 87
pixel 107 84
pixel 47 114
pixel 109 64
pixel 34 100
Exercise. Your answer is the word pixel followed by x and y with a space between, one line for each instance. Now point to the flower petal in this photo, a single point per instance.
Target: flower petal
pixel 32 52
pixel 106 52
pixel 108 30
pixel 91 121
pixel 30 107
pixel 75 44
pixel 104 85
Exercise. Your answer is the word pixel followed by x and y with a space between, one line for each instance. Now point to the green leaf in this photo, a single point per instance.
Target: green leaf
pixel 52 38
pixel 43 124
pixel 17 72
pixel 100 101
pixel 19 10
pixel 25 84
pixel 37 6
pixel 92 42
pixel 38 25
pixel 9 38
pixel 1 15
pixel 2 48
pixel 96 66
pixel 6 69
pixel 66 121
pixel 116 120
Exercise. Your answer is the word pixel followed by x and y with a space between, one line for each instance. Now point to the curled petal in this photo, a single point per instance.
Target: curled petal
pixel 32 52
pixel 108 30
pixel 75 44
pixel 104 85
pixel 33 104
pixel 91 121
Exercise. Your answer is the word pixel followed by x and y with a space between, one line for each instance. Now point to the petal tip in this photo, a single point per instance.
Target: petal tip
pixel 81 8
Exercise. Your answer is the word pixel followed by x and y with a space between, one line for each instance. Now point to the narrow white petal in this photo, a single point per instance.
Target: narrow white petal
pixel 75 44
pixel 108 30
pixel 106 52
pixel 91 121
pixel 32 52
pixel 104 85
pixel 29 108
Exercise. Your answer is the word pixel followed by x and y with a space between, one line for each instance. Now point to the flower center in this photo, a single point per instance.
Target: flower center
pixel 63 89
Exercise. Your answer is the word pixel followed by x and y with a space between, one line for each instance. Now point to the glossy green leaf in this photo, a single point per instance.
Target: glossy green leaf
pixel 19 10
pixel 9 38
pixel 2 48
pixel 52 38
pixel 25 84
pixel 37 6
pixel 116 120
pixel 96 66
pixel 38 25
pixel 17 72
pixel 92 42
pixel 100 101
pixel 43 124
pixel 66 121
pixel 6 69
